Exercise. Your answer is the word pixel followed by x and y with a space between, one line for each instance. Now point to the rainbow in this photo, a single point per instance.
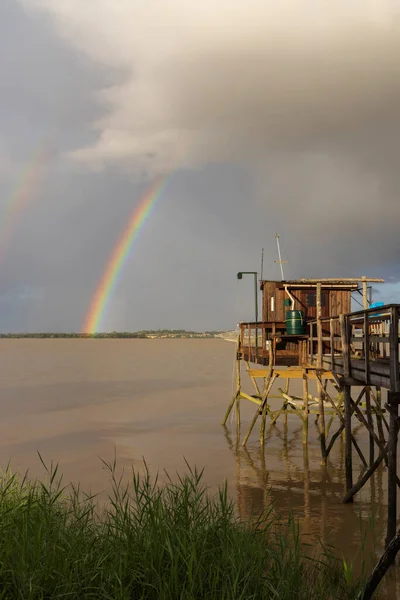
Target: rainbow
pixel 25 188
pixel 119 256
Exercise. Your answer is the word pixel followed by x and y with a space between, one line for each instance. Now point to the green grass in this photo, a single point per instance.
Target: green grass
pixel 150 541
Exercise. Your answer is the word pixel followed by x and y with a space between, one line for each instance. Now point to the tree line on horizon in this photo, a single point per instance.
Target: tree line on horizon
pixel 145 334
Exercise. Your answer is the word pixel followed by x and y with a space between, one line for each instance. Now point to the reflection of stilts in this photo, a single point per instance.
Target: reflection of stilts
pixel 258 490
pixel 306 470
pixel 251 479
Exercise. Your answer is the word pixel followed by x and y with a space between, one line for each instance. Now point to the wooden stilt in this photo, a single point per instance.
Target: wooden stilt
pixel 393 407
pixel 264 410
pixel 370 420
pixel 235 397
pixel 319 365
pixel 238 415
pixel 263 407
pixel 286 392
pixel 348 446
pixel 253 379
pixel 392 471
pixel 228 412
pixel 379 413
pixel 341 418
pixel 363 480
pixel 305 407
pixel 345 335
pixel 378 573
pixel 267 388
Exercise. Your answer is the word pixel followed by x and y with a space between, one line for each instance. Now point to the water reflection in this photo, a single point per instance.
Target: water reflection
pixel 291 476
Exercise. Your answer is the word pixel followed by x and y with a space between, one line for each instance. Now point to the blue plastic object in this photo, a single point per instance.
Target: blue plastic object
pixel 376 305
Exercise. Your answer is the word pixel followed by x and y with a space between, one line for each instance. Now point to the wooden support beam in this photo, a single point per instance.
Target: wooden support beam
pixel 237 381
pixel 364 421
pixel 291 373
pixel 263 407
pixel 253 379
pixel 370 421
pixel 377 397
pixel 386 560
pixel 306 409
pixel 344 279
pixel 365 292
pixel 367 378
pixel 267 389
pixel 392 472
pixel 319 365
pixel 394 350
pixel 344 333
pixel 348 447
pixel 381 419
pixel 255 399
pixel 342 420
pixel 363 480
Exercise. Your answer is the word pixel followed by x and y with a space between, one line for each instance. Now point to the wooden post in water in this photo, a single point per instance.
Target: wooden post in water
pixel 238 386
pixel 393 405
pixel 305 399
pixel 236 395
pixel 392 471
pixel 367 376
pixel 332 342
pixel 379 416
pixel 267 388
pixel 319 365
pixel 344 332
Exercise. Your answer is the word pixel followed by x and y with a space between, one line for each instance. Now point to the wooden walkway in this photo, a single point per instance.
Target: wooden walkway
pixel 359 349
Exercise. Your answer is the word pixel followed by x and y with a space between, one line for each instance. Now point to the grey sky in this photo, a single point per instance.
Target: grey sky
pixel 272 119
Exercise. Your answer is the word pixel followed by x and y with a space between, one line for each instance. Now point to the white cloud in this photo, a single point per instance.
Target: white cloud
pixel 233 80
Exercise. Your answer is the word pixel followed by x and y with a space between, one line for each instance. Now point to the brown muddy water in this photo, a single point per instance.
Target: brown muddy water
pixel 76 401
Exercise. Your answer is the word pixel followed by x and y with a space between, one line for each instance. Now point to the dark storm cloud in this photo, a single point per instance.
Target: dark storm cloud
pixel 288 117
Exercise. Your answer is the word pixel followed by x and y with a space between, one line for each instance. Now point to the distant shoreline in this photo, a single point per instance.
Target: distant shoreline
pixel 146 335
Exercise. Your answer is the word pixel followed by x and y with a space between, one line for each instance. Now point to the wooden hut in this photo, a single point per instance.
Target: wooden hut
pixel 293 296
pixel 280 296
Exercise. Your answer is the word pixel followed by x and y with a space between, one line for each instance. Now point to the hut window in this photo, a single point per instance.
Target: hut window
pixel 311 299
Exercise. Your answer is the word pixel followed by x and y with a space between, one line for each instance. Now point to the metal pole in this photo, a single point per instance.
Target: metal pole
pixel 279 254
pixel 262 263
pixel 239 276
pixel 256 307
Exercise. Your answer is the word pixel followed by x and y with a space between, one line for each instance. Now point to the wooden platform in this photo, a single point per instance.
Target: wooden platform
pixel 379 371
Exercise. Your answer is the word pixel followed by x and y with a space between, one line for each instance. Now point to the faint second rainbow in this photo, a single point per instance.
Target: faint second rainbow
pixel 119 256
pixel 24 190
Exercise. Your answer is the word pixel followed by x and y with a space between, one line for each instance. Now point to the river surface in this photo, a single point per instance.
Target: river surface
pixel 79 401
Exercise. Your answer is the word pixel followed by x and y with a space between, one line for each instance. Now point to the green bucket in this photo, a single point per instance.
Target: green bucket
pixel 294 322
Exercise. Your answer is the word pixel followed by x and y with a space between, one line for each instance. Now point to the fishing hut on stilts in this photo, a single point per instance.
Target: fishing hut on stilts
pixel 350 360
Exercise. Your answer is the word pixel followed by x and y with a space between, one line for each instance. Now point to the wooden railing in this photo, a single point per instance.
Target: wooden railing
pixel 254 337
pixel 355 343
pixel 361 344
pixel 258 339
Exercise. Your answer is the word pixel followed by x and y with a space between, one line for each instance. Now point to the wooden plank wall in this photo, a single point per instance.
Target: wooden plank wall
pixel 335 302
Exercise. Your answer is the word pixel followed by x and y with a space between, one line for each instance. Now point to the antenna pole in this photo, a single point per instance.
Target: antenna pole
pixel 262 263
pixel 279 254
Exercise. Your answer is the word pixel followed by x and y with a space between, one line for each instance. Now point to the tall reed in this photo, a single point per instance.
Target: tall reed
pixel 150 541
